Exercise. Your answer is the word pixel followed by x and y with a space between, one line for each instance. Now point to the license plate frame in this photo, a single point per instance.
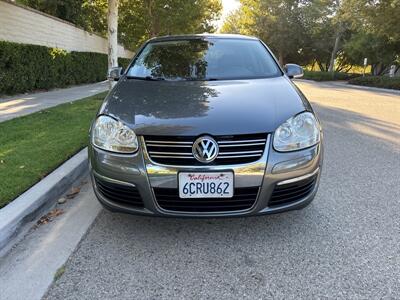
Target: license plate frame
pixel 224 176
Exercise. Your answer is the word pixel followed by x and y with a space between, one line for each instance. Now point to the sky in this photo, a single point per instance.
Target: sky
pixel 227 7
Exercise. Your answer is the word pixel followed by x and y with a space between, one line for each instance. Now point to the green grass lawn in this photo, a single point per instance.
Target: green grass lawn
pixel 32 146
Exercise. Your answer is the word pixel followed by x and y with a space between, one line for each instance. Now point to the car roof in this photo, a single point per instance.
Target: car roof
pixel 203 35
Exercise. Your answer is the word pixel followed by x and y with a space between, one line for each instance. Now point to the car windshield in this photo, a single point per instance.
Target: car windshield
pixel 204 59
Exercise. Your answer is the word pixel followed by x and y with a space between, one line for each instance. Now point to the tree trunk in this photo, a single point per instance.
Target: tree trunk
pixel 112 34
pixel 313 65
pixel 321 66
pixel 396 71
pixel 154 30
pixel 280 58
pixel 334 52
pixel 377 69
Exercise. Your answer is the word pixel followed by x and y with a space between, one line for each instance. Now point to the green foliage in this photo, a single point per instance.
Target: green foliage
pixel 327 76
pixel 94 14
pixel 311 32
pixel 60 271
pixel 123 62
pixel 30 67
pixel 378 49
pixel 378 81
pixel 32 146
pixel 279 23
pixel 68 10
pixel 140 20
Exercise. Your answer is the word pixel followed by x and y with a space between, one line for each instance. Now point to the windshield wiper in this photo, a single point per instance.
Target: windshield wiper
pixel 150 78
pixel 201 79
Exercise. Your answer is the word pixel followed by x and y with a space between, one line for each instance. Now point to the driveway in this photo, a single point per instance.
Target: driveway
pixel 346 244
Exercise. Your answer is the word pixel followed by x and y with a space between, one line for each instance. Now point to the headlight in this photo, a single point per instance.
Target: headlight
pixel 111 135
pixel 297 133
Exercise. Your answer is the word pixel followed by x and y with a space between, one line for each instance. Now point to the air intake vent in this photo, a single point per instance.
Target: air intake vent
pixel 233 149
pixel 288 193
pixel 244 198
pixel 119 193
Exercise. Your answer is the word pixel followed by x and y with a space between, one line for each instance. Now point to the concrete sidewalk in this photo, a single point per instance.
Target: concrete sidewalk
pixel 25 104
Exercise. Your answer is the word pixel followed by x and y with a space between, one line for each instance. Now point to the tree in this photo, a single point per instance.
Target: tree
pixel 95 16
pixel 375 33
pixel 280 23
pixel 112 33
pixel 323 31
pixel 143 19
pixel 380 52
pixel 238 23
pixel 68 10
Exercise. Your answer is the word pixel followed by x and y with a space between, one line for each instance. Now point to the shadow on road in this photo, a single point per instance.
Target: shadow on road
pixel 356 125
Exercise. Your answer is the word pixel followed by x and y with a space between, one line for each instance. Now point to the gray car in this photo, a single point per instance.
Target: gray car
pixel 205 126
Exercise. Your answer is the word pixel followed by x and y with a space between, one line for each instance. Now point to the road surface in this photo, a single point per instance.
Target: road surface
pixel 345 245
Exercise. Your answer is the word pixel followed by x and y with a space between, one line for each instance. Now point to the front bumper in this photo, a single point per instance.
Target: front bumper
pixel 273 169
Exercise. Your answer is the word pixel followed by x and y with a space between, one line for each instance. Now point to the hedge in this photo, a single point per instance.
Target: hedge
pixel 327 76
pixel 123 62
pixel 378 81
pixel 30 67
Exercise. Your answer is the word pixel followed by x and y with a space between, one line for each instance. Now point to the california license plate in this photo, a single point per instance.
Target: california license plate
pixel 205 184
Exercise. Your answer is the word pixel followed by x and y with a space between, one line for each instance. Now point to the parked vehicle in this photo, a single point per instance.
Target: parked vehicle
pixel 205 126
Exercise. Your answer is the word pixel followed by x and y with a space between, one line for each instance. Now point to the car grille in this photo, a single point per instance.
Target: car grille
pixel 288 193
pixel 119 193
pixel 233 149
pixel 243 199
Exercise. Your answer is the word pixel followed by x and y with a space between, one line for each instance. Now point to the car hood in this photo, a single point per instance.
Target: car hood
pixel 200 107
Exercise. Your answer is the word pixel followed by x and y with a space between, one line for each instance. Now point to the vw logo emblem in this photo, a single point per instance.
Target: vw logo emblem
pixel 205 149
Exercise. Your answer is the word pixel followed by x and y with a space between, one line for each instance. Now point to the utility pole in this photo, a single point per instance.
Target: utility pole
pixel 112 34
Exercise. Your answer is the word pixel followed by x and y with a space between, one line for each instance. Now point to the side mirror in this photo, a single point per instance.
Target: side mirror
pixel 115 73
pixel 293 71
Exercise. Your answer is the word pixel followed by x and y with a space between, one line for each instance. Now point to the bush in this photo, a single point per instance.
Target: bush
pixel 30 67
pixel 378 81
pixel 327 76
pixel 124 62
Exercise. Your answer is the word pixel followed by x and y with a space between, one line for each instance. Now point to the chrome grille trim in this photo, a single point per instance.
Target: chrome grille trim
pixel 241 145
pixel 165 145
pixel 166 175
pixel 177 150
pixel 242 141
pixel 172 156
pixel 168 153
pixel 168 142
pixel 239 156
pixel 241 152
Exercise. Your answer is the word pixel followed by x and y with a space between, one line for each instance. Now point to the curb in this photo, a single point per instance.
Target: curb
pixel 15 217
pixel 374 88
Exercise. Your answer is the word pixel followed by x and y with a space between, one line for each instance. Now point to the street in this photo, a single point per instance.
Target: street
pixel 344 245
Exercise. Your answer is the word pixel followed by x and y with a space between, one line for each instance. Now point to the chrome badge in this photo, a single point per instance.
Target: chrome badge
pixel 205 149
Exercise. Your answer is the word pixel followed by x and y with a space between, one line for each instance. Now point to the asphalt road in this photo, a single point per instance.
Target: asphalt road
pixel 346 244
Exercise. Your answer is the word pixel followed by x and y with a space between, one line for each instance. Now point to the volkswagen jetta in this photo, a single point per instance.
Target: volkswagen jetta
pixel 205 126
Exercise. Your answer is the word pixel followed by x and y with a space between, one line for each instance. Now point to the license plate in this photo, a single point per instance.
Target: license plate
pixel 205 184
